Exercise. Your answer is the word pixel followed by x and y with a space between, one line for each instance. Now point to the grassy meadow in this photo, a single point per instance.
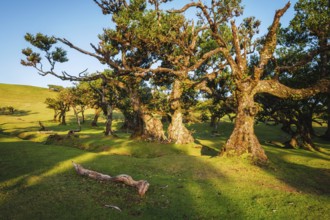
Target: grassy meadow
pixel 37 180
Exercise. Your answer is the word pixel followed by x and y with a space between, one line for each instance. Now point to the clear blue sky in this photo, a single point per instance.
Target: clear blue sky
pixel 80 21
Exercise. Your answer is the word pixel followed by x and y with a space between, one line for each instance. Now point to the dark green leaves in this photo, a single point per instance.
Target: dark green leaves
pixel 31 58
pixel 43 42
pixel 59 55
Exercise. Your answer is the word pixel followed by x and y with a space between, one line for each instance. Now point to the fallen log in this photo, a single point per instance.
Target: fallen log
pixel 141 185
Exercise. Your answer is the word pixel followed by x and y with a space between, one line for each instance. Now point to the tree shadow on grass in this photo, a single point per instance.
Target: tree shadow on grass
pixel 207 150
pixel 19 157
pixel 17 113
pixel 303 177
pixel 39 183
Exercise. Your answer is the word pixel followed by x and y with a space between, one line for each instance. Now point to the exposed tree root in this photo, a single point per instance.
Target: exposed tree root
pixel 42 127
pixel 141 185
pixel 72 132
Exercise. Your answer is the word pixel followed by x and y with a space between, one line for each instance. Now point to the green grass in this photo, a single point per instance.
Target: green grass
pixel 37 180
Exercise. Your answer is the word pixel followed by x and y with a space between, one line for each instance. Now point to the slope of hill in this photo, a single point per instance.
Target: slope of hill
pixel 23 97
pixel 28 102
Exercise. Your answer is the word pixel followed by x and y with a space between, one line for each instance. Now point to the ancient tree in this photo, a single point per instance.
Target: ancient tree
pixel 119 49
pixel 249 81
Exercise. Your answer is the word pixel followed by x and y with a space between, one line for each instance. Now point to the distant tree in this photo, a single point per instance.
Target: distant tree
pixel 105 97
pixel 53 104
pixel 60 107
pixel 82 99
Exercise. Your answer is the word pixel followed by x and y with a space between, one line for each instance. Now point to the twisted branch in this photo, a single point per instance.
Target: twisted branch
pixel 141 185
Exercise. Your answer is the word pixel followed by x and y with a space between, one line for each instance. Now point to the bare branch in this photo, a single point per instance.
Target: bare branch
pixel 270 43
pixel 68 43
pixel 205 57
pixel 185 8
pixel 237 48
pixel 202 84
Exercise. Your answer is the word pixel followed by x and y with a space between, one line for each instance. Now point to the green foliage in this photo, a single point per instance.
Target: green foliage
pixel 32 58
pixel 45 44
pixel 204 117
pixel 312 16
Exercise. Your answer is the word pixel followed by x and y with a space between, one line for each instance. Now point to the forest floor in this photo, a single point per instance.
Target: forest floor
pixel 37 180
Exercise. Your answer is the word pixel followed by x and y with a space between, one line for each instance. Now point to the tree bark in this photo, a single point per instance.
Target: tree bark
pixel 293 142
pixel 96 117
pixel 177 132
pixel 153 127
pixel 108 124
pixel 141 185
pixel 83 115
pixel 56 114
pixel 213 121
pixel 147 126
pixel 62 117
pixel 129 120
pixel 243 139
pixel 77 115
pixel 326 135
pixel 307 142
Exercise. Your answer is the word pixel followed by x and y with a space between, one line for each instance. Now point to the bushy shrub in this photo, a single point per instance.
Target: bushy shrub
pixel 7 110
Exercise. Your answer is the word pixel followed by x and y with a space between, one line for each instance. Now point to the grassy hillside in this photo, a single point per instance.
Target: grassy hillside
pixel 37 180
pixel 28 102
pixel 24 97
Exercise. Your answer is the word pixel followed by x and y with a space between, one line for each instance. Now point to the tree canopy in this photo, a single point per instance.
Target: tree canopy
pixel 151 48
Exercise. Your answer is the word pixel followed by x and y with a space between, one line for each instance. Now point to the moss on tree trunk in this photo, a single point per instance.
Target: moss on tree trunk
pixel 147 126
pixel 243 139
pixel 177 132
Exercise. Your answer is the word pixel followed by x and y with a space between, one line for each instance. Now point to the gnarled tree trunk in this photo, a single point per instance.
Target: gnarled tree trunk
pixel 243 139
pixel 177 132
pixel 326 135
pixel 96 117
pixel 306 139
pixel 152 127
pixel 62 117
pixel 108 124
pixel 83 115
pixel 293 142
pixel 56 114
pixel 147 126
